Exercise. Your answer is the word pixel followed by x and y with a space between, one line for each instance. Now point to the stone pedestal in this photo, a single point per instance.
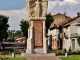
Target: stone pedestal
pixel 29 49
pixel 45 46
pixel 36 42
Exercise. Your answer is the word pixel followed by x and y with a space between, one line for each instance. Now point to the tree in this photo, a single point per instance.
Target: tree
pixel 24 27
pixel 10 40
pixel 3 27
pixel 49 20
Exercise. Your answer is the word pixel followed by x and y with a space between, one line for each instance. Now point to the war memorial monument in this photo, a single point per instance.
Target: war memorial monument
pixel 36 11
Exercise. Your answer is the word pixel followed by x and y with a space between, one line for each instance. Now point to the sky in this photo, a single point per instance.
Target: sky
pixel 16 10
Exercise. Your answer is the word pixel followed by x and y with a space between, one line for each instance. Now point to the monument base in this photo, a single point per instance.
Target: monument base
pixel 45 51
pixel 38 54
pixel 34 51
pixel 40 51
pixel 29 51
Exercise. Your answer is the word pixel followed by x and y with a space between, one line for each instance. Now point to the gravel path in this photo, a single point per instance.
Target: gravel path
pixel 42 58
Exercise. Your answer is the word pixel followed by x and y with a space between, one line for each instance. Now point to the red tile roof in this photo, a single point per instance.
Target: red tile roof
pixel 70 20
pixel 64 22
pixel 60 23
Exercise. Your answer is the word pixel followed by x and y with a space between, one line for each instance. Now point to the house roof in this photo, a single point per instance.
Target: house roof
pixel 70 20
pixel 64 22
pixel 57 14
pixel 61 14
pixel 52 25
pixel 67 18
pixel 21 38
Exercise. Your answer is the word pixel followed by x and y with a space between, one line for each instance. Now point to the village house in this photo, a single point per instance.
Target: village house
pixel 71 32
pixel 55 31
pixel 21 40
pixel 64 34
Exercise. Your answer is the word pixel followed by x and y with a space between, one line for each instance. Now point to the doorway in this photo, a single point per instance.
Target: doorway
pixel 73 44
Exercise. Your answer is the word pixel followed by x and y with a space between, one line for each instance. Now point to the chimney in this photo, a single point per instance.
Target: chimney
pixel 78 14
pixel 49 13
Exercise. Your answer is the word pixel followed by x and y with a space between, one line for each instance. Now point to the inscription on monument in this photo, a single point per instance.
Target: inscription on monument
pixel 38 34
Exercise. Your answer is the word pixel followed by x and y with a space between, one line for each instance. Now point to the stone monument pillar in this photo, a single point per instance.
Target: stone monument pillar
pixel 36 10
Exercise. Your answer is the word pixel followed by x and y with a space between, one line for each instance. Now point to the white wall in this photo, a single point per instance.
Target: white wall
pixel 73 28
pixel 78 29
pixel 67 42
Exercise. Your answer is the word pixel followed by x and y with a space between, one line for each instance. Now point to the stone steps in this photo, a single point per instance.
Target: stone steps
pixel 38 54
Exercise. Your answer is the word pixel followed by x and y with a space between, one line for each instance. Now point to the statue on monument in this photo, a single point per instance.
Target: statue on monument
pixel 44 9
pixel 36 8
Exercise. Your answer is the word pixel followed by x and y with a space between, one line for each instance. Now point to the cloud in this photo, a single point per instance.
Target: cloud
pixel 54 6
pixel 15 16
pixel 58 6
pixel 69 2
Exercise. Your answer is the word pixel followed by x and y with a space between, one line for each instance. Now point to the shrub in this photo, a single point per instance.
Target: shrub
pixel 59 52
pixel 78 40
pixel 14 50
pixel 10 40
pixel 74 52
pixel 55 51
pixel 69 51
pixel 78 52
pixel 64 50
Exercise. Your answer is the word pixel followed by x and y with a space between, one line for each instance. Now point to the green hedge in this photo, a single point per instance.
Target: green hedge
pixel 78 40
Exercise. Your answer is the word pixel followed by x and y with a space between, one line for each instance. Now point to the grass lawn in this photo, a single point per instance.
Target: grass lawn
pixel 72 57
pixel 10 55
pixel 17 57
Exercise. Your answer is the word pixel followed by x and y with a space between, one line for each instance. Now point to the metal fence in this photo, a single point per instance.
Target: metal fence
pixel 10 46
